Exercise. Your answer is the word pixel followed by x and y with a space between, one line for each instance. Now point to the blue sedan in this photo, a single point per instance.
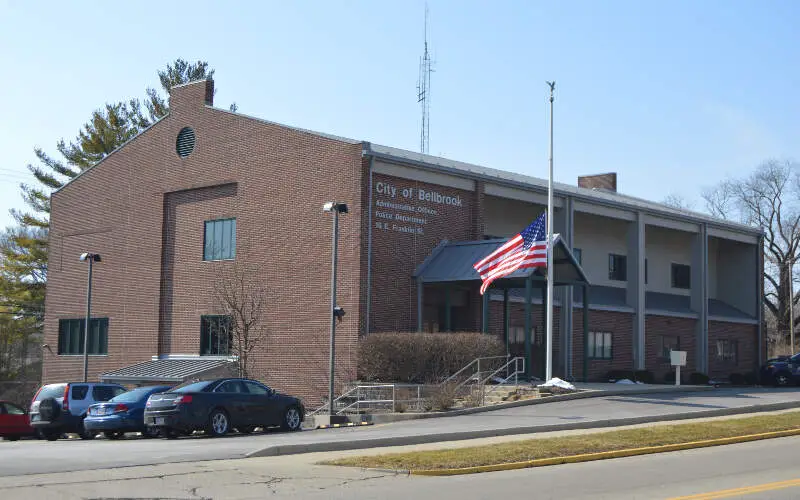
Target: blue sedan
pixel 123 413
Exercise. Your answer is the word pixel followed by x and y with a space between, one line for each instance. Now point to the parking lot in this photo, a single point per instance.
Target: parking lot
pixel 33 456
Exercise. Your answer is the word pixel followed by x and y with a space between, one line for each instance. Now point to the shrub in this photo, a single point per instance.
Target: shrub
pixel 645 376
pixel 442 398
pixel 422 358
pixel 669 377
pixel 751 378
pixel 698 378
pixel 737 379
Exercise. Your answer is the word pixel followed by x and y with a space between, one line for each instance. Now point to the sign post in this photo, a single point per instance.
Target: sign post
pixel 677 359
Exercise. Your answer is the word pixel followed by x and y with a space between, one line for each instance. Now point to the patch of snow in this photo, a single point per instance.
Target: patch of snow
pixel 625 381
pixel 557 382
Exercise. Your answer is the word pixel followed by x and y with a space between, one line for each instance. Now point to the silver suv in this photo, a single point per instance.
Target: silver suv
pixel 60 408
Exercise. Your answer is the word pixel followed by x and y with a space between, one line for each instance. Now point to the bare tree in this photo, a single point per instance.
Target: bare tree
pixel 770 199
pixel 241 297
pixel 675 200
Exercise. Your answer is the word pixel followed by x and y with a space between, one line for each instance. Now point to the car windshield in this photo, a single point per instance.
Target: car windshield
pixel 193 387
pixel 796 358
pixel 51 391
pixel 135 394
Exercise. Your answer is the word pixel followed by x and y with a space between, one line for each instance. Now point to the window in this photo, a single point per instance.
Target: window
pixel 220 239
pixel 12 409
pixel 79 392
pixel 681 276
pixel 215 336
pixel 669 343
pixel 516 335
pixel 727 350
pixel 617 267
pixel 105 392
pixel 70 336
pixel 256 388
pixel 578 254
pixel 600 345
pixel 232 387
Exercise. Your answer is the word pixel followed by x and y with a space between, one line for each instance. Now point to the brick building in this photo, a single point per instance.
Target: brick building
pixel 205 189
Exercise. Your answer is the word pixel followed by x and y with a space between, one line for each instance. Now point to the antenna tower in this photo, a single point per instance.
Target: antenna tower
pixel 424 91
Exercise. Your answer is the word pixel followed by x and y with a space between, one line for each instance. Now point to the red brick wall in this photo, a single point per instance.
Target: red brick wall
pixel 684 328
pixel 620 325
pixel 282 177
pixel 396 254
pixel 747 339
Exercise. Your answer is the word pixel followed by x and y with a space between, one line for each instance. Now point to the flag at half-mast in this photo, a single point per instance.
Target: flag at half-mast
pixel 525 250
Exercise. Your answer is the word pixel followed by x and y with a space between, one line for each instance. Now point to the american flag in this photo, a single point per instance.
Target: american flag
pixel 527 249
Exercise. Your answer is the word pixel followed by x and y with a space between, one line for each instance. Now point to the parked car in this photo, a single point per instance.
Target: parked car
pixel 13 422
pixel 61 408
pixel 218 406
pixel 122 413
pixel 781 371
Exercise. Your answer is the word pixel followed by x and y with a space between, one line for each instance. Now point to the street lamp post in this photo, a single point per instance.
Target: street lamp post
pixel 336 312
pixel 92 258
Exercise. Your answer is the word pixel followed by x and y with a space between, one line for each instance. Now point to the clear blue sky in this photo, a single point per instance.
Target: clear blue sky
pixel 671 95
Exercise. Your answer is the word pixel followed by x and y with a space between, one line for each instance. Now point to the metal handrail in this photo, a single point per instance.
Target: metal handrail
pixel 356 392
pixel 517 371
pixel 474 361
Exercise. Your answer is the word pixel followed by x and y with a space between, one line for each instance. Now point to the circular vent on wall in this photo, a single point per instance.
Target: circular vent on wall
pixel 185 143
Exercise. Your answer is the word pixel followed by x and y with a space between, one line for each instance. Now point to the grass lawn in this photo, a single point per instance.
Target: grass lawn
pixel 520 451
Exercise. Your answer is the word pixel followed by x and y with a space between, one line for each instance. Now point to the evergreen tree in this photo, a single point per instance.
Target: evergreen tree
pixel 24 254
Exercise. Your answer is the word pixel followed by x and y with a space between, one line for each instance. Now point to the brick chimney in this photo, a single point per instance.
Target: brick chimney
pixel 192 94
pixel 600 181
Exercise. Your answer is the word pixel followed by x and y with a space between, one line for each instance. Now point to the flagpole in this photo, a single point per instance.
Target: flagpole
pixel 549 339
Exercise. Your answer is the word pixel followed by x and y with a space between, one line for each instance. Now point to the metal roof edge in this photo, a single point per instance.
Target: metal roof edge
pixel 613 199
pixel 291 127
pixel 111 153
pixel 731 319
pixel 430 258
pixel 671 314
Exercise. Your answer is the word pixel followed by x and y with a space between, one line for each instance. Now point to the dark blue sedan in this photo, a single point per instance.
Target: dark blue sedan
pixel 781 371
pixel 123 413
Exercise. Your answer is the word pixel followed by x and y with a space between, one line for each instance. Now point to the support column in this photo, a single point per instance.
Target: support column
pixel 528 353
pixel 485 313
pixel 585 333
pixel 699 296
pixel 565 225
pixel 419 305
pixel 505 318
pixel 448 310
pixel 635 294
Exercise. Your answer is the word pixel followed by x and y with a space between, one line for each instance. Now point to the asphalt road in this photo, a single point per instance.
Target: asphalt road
pixel 759 471
pixel 34 457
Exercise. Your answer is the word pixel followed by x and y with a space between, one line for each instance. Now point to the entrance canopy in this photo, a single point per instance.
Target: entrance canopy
pixel 452 263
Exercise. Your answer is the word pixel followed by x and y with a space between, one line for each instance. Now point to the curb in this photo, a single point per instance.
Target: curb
pixel 379 442
pixel 378 418
pixel 603 455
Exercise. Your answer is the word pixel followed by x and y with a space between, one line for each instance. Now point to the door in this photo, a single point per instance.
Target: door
pixel 265 411
pixel 12 419
pixel 233 396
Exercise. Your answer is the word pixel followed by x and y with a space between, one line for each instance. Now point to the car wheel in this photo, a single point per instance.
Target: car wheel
pixel 113 434
pixel 782 380
pixel 247 429
pixel 51 436
pixel 170 433
pixel 218 423
pixel 291 419
pixel 11 438
pixel 150 432
pixel 85 434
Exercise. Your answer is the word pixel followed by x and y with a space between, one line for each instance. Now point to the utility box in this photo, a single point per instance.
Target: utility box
pixel 677 359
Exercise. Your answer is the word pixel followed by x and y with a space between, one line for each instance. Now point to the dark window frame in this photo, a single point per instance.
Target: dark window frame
pixel 730 355
pixel 663 354
pixel 617 267
pixel 676 276
pixel 207 335
pixel 212 254
pixel 70 343
pixel 606 354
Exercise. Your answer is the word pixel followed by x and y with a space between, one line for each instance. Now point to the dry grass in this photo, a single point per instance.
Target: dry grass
pixel 519 451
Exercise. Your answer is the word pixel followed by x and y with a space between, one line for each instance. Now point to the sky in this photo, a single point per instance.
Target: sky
pixel 673 96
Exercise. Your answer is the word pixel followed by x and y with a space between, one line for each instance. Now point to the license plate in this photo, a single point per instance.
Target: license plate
pixel 159 421
pixel 100 411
